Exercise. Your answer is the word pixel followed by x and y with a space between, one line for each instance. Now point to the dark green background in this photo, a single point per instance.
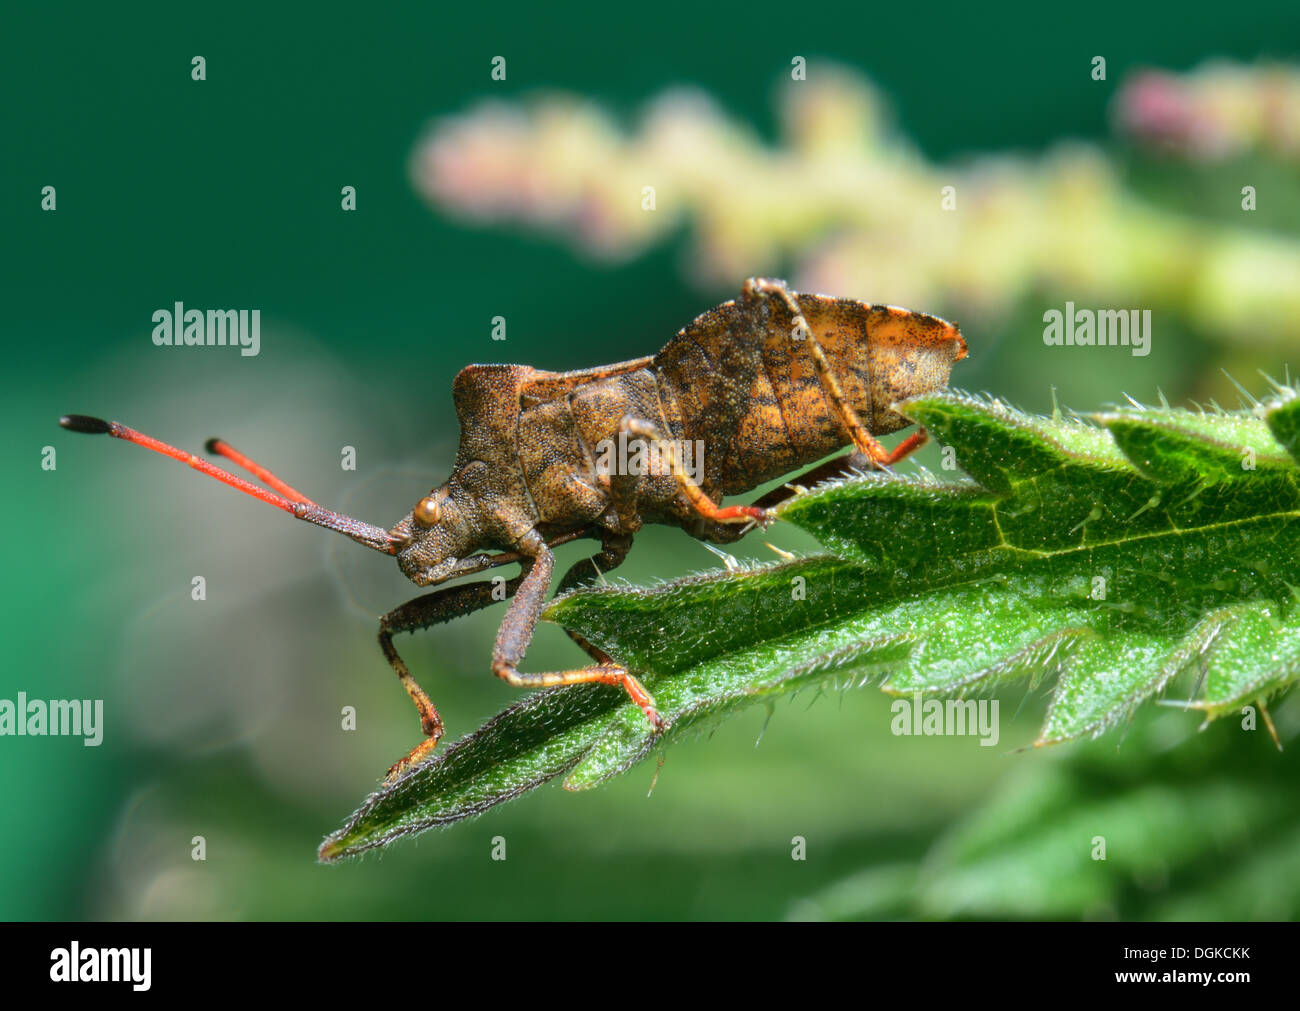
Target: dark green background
pixel 222 715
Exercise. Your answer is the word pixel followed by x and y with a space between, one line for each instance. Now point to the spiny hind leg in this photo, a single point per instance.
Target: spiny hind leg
pixel 668 450
pixel 432 609
pixel 863 441
pixel 517 631
pixel 841 466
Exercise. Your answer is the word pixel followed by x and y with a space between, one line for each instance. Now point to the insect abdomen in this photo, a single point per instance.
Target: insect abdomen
pixel 749 386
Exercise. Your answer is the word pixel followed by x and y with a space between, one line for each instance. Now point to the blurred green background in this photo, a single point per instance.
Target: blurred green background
pixel 222 716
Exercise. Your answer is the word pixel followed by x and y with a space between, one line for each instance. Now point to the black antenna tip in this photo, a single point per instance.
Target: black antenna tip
pixel 211 444
pixel 85 423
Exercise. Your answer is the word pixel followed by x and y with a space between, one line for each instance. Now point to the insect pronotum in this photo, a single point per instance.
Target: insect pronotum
pixel 766 384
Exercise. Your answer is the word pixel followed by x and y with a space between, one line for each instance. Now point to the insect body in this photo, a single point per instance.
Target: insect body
pixel 764 385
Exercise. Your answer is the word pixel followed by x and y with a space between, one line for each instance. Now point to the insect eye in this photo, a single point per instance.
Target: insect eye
pixel 427 511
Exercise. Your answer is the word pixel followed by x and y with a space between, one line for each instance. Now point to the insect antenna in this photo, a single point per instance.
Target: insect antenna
pixel 291 501
pixel 219 447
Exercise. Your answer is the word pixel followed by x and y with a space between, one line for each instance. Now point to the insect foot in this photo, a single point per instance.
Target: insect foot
pixel 652 714
pixel 417 755
pixel 754 516
pixel 614 674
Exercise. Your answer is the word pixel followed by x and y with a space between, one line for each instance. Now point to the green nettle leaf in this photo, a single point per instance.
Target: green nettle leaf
pixel 1115 554
pixel 1202 830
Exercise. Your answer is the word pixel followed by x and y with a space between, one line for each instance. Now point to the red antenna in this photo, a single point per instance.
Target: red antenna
pixel 293 502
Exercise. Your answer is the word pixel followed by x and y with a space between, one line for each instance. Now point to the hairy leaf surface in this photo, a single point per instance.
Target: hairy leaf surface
pixel 1112 554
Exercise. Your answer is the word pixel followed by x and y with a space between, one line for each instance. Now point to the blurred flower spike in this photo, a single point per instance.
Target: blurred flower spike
pixel 844 204
pixel 1218 111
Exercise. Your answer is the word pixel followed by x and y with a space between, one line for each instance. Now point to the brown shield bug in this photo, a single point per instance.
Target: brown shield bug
pixel 753 389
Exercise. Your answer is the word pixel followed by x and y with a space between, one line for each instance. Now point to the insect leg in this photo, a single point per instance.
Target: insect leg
pixel 622 493
pixel 701 502
pixel 453 602
pixel 520 622
pixel 432 609
pixel 614 549
pixel 838 467
pixel 841 466
pixel 863 441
